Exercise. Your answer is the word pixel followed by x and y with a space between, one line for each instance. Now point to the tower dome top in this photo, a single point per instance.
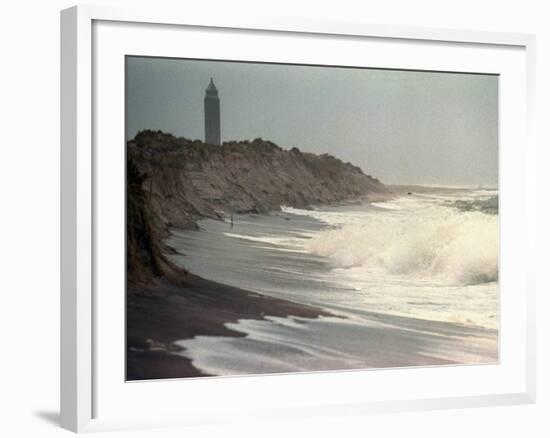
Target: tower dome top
pixel 211 86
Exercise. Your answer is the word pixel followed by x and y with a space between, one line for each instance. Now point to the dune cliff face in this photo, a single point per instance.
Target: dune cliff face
pixel 185 180
pixel 144 232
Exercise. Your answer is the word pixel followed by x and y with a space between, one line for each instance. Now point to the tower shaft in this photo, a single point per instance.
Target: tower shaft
pixel 212 129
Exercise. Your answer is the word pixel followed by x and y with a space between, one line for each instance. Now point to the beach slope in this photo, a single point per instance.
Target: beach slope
pixel 186 306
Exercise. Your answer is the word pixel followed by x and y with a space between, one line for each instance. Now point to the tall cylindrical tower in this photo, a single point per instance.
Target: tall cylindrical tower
pixel 212 131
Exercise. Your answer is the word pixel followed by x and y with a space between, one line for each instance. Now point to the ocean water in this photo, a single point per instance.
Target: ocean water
pixel 411 281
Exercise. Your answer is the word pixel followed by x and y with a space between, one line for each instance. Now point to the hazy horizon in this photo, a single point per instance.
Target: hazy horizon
pixel 403 127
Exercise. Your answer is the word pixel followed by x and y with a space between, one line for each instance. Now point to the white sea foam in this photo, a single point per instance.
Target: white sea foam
pixel 386 205
pixel 289 244
pixel 428 241
pixel 334 218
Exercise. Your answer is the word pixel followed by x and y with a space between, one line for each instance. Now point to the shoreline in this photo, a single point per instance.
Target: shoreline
pixel 179 306
pixel 224 215
pixel 183 306
pixel 404 189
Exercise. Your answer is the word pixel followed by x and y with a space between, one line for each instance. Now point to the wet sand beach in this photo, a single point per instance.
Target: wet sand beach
pixel 185 306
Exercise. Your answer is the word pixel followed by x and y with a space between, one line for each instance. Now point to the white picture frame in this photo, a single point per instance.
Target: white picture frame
pixel 83 370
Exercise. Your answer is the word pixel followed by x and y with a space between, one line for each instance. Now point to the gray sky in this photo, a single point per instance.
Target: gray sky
pixel 400 126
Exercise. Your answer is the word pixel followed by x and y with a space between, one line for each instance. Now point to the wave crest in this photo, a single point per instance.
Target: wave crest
pixel 455 247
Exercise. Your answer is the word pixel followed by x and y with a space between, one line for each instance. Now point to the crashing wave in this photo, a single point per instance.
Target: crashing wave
pixel 456 247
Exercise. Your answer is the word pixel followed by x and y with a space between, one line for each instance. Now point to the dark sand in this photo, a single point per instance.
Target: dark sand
pixel 183 307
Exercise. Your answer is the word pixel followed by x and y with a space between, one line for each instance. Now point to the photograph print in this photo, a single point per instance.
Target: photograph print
pixel 285 218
